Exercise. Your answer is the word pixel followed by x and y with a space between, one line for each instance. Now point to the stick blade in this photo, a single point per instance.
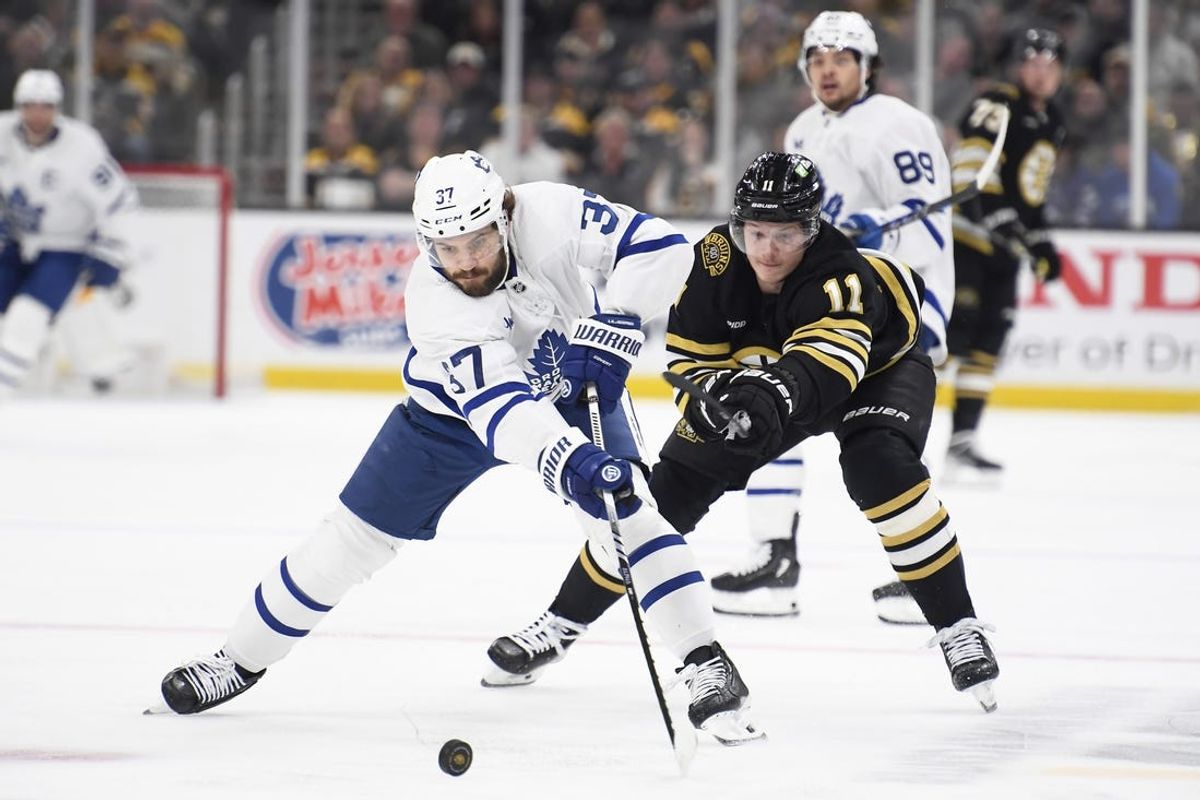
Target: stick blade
pixel 685 748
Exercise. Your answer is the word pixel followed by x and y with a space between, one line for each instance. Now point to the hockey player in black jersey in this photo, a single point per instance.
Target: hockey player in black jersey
pixel 782 318
pixel 1001 229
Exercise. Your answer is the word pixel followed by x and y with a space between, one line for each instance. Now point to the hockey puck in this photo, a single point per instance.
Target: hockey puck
pixel 455 757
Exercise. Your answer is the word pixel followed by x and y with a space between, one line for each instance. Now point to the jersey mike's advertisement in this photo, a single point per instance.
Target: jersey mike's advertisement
pixel 338 289
pixel 316 300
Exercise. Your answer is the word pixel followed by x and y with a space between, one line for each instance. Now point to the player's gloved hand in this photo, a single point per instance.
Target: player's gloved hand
pixel 602 348
pixel 768 396
pixel 577 470
pixel 1046 263
pixel 863 229
pixel 706 423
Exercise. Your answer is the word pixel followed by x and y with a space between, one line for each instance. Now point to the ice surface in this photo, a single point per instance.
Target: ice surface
pixel 131 532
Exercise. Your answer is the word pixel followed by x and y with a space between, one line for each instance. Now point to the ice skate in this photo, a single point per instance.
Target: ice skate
pixel 519 658
pixel 969 657
pixel 720 700
pixel 205 682
pixel 765 587
pixel 894 604
pixel 965 465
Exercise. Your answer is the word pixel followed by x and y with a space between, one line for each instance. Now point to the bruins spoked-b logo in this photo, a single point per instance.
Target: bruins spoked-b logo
pixel 715 252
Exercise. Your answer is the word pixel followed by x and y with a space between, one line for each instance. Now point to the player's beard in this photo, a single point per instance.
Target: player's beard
pixel 481 283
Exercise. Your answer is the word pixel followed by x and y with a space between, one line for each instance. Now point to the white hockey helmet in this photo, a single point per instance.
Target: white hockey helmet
pixel 841 30
pixel 458 194
pixel 38 86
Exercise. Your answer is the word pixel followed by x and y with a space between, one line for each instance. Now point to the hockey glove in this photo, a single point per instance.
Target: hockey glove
pixel 768 396
pixel 706 423
pixel 863 230
pixel 577 470
pixel 601 350
pixel 1046 263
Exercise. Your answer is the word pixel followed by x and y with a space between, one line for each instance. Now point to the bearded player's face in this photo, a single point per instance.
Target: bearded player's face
pixel 473 261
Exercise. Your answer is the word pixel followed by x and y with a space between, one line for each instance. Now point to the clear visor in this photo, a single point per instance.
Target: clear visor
pixel 757 236
pixel 455 251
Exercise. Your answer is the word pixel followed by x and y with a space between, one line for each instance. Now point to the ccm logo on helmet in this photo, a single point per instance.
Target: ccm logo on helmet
pixel 444 220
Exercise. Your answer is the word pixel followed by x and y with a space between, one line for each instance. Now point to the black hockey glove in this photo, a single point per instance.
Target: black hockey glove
pixel 707 423
pixel 1046 263
pixel 1007 232
pixel 767 396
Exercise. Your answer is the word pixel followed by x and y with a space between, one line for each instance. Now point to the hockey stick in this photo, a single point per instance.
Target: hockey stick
pixel 962 195
pixel 737 423
pixel 683 738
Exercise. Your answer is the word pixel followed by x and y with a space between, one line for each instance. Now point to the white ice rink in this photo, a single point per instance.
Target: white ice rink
pixel 131 532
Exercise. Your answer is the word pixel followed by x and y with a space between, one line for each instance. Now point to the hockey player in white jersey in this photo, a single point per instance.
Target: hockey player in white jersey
pixel 880 158
pixel 506 331
pixel 69 216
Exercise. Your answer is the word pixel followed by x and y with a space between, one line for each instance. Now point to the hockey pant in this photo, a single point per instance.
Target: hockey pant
pixel 418 463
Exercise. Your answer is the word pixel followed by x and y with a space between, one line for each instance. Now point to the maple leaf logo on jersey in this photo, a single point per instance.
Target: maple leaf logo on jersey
pixel 25 217
pixel 546 361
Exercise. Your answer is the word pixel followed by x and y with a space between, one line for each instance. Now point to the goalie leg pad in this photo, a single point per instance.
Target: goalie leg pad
pixel 295 595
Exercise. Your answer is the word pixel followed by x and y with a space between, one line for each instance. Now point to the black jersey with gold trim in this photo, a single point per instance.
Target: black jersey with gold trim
pixel 841 315
pixel 1023 179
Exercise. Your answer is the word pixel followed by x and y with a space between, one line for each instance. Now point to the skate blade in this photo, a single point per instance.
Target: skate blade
pixel 732 728
pixel 757 603
pixel 684 745
pixel 496 678
pixel 985 693
pixel 968 476
pixel 899 611
pixel 156 709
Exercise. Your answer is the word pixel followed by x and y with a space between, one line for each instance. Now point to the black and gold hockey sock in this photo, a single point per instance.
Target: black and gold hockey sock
pixel 587 591
pixel 972 386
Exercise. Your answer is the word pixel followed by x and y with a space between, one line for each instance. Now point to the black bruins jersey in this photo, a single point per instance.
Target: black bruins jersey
pixel 1020 184
pixel 842 315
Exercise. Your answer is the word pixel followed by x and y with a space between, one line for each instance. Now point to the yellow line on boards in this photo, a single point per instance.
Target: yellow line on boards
pixel 654 387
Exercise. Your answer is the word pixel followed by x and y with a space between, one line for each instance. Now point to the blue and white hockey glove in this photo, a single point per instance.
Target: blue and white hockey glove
pixel 602 348
pixel 577 470
pixel 863 230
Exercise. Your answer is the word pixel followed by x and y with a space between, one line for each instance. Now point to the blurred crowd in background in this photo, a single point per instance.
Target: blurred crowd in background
pixel 618 94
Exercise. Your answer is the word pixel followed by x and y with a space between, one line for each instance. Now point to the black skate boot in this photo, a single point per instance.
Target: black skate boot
pixel 969 656
pixel 205 682
pixel 895 604
pixel 720 700
pixel 521 657
pixel 765 587
pixel 965 465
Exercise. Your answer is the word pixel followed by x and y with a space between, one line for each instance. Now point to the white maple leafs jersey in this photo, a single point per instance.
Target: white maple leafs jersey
pixel 494 361
pixel 883 154
pixel 66 195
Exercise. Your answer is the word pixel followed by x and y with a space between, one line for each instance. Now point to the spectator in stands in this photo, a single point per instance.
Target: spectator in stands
pixel 685 184
pixel 399 82
pixel 536 160
pixel 122 102
pixel 378 126
pixel 1172 61
pixel 616 169
pixel 1116 77
pixel 339 173
pixel 27 48
pixel 483 28
pixel 1183 123
pixel 469 118
pixel 403 18
pixel 149 37
pixel 952 84
pixel 422 141
pixel 561 122
pixel 591 42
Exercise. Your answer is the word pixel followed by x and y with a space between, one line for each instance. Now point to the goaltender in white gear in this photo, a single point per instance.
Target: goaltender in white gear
pixel 880 158
pixel 502 318
pixel 68 213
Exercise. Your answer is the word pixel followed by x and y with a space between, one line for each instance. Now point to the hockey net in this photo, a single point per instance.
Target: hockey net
pixel 169 315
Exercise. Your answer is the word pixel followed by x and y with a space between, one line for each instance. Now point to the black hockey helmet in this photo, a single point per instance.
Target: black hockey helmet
pixel 1036 41
pixel 777 187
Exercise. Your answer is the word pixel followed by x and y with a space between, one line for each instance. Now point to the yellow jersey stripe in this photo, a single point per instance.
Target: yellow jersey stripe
pixel 917 532
pixel 838 339
pixel 675 341
pixel 829 361
pixel 901 500
pixel 598 577
pixel 925 572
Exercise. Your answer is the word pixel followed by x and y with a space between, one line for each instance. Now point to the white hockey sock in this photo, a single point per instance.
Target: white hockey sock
pixel 296 594
pixel 773 496
pixel 26 324
pixel 674 595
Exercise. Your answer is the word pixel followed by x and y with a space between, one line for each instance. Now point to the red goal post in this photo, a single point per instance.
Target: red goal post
pixel 180 274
